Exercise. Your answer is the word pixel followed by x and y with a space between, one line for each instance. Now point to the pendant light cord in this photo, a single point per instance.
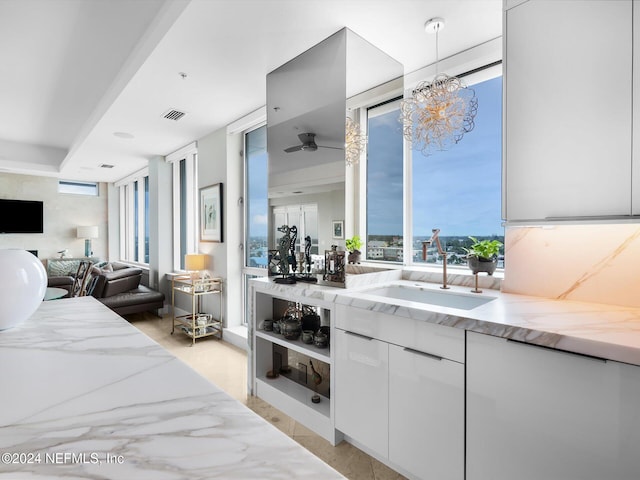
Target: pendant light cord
pixel 437 47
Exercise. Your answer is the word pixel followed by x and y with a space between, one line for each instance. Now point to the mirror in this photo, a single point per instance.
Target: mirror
pixel 306 117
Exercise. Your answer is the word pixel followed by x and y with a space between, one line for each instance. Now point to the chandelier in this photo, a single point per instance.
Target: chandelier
pixel 355 142
pixel 439 112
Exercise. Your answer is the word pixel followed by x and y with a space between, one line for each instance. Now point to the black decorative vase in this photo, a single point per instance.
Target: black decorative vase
pixel 480 264
pixel 354 257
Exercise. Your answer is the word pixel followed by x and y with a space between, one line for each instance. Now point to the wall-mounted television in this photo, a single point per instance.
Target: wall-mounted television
pixel 21 216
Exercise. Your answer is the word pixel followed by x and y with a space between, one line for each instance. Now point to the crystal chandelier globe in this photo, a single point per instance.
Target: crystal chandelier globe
pixel 355 142
pixel 439 112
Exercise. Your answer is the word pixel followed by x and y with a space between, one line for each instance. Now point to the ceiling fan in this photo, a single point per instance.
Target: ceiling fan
pixel 308 144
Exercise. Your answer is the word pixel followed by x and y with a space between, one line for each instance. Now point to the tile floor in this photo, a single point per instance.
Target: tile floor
pixel 226 366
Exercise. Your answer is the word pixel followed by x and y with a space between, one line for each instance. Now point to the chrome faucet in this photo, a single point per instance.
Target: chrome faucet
pixel 435 238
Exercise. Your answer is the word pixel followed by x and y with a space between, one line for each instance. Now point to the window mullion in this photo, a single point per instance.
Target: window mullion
pixel 140 224
pixel 130 223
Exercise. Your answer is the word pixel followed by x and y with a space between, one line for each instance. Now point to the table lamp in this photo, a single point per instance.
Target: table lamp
pixel 87 233
pixel 195 263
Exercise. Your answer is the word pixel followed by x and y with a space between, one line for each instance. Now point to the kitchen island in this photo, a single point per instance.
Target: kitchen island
pixel 86 395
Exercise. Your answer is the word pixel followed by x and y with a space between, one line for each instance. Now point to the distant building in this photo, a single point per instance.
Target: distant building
pixel 392 254
pixel 375 249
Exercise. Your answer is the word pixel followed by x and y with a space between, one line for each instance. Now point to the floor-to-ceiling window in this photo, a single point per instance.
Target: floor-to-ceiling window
pixel 384 206
pixel 134 218
pixel 256 210
pixel 256 197
pixel 185 205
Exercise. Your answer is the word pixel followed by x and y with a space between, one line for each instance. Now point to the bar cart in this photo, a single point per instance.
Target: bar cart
pixel 196 324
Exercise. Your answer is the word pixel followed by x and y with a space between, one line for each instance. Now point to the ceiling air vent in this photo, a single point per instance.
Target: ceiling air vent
pixel 173 114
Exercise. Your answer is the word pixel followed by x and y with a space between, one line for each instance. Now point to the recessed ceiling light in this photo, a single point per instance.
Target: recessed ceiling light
pixel 126 135
pixel 105 165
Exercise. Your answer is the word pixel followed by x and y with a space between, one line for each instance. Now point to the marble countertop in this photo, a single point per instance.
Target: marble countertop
pixel 599 330
pixel 595 329
pixel 86 395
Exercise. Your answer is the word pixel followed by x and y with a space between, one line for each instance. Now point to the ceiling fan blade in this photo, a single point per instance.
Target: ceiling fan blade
pixel 293 149
pixel 333 148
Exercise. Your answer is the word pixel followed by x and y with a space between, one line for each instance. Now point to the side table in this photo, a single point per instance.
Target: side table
pixel 196 324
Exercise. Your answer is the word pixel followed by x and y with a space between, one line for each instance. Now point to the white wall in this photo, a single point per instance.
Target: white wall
pixel 63 213
pixel 212 169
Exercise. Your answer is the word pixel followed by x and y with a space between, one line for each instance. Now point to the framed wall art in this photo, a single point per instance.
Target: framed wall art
pixel 338 228
pixel 211 213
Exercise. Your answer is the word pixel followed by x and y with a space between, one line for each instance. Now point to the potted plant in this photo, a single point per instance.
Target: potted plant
pixel 483 255
pixel 353 245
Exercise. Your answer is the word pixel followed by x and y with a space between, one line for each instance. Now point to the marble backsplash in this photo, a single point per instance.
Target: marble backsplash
pixel 590 263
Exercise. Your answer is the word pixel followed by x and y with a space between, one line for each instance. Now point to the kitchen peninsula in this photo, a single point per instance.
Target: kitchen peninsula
pixel 86 395
pixel 434 382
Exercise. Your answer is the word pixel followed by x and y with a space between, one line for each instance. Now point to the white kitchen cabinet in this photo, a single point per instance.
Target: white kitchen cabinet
pixel 362 386
pixel 400 391
pixel 536 413
pixel 635 185
pixel 568 110
pixel 426 414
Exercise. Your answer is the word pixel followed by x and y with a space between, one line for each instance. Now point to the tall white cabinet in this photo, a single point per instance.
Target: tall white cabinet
pixel 535 413
pixel 635 184
pixel 568 110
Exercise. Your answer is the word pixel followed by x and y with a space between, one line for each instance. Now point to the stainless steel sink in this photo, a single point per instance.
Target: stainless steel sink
pixel 441 298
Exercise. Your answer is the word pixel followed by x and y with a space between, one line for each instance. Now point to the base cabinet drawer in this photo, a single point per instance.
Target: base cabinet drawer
pixel 535 413
pixel 426 414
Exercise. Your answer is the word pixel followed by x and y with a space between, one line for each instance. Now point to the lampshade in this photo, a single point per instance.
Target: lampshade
pixel 195 261
pixel 87 232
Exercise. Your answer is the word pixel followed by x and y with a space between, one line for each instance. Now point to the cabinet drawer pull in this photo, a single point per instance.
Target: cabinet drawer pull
pixel 566 352
pixel 424 354
pixel 358 335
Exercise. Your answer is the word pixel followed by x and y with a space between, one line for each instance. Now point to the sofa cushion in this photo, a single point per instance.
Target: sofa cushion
pixel 141 295
pixel 113 283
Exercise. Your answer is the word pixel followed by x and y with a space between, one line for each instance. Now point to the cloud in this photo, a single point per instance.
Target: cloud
pixel 259 219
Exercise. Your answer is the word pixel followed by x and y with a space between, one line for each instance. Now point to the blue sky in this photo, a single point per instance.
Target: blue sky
pixel 257 182
pixel 458 190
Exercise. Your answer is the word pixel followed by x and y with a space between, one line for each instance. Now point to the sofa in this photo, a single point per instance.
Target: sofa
pixel 61 281
pixel 61 272
pixel 118 286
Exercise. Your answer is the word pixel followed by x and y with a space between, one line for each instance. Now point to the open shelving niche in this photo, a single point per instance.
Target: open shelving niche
pixel 294 399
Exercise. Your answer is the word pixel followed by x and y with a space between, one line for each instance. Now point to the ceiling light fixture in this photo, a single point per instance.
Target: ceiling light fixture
pixel 355 142
pixel 439 112
pixel 125 135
